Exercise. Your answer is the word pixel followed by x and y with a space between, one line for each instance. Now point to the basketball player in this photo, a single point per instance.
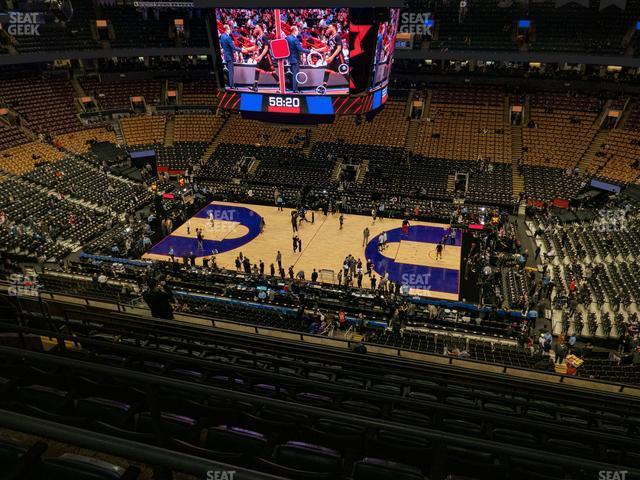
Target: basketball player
pixel 211 220
pixel 439 251
pixel 335 57
pixel 200 237
pixel 264 63
pixel 405 228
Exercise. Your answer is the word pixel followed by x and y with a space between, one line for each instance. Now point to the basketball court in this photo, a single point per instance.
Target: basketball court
pixel 230 228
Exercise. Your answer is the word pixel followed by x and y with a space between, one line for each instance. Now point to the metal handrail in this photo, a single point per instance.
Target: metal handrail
pixel 121 447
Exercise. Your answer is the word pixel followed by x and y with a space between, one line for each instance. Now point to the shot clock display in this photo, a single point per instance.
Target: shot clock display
pixel 292 104
pixel 283 102
pixel 320 61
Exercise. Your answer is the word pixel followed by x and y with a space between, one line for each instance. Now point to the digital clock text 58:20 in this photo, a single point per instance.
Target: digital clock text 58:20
pixel 292 102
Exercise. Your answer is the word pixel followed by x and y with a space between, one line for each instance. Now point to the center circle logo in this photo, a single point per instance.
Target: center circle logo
pixel 419 276
pixel 234 226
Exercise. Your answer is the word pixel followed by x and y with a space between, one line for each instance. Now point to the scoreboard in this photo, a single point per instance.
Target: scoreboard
pixel 303 61
pixel 303 104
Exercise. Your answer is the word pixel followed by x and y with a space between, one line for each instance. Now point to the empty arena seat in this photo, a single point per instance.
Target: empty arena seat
pixel 464 461
pixel 44 400
pixel 79 467
pixel 376 469
pixel 237 440
pixel 301 460
pixel 174 425
pixel 11 454
pixel 104 412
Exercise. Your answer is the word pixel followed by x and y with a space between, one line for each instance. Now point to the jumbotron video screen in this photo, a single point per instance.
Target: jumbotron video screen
pixel 285 50
pixel 322 61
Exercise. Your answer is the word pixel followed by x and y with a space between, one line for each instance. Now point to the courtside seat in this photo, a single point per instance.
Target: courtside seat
pixel 303 461
pixel 77 467
pixel 376 469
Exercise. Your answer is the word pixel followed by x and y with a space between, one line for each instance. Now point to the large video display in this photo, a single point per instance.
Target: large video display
pixel 285 51
pixel 385 46
pixel 305 61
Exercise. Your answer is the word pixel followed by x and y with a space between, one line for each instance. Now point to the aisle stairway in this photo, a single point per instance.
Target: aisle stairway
pixel 407 110
pixel 77 87
pixel 337 168
pixel 585 162
pixel 427 104
pixel 118 131
pixel 412 135
pixel 451 183
pixel 307 149
pixel 253 167
pixel 168 131
pixel 516 155
pixel 362 172
pixel 207 156
pixel 630 107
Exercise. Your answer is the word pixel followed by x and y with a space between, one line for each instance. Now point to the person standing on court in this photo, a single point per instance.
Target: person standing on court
pixel 405 228
pixel 279 260
pixel 365 236
pixel 200 237
pixel 439 251
pixel 341 221
pixel 295 50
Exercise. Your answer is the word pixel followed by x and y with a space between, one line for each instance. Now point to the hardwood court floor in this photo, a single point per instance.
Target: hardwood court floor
pixel 324 245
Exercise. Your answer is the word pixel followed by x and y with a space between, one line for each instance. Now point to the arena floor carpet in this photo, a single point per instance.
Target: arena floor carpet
pixel 230 228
